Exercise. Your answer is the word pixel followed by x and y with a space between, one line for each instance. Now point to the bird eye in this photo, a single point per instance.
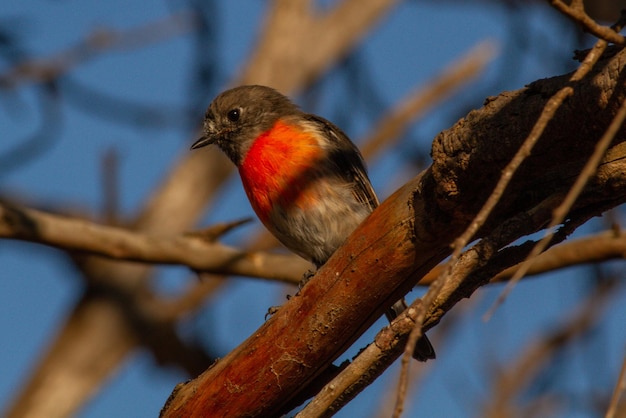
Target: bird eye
pixel 233 115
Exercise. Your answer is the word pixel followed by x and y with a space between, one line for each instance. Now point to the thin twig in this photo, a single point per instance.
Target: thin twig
pixel 607 245
pixel 576 12
pixel 563 209
pixel 588 170
pixel 363 370
pixel 523 152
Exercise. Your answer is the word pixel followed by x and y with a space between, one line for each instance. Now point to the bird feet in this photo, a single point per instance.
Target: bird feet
pixel 305 278
pixel 273 309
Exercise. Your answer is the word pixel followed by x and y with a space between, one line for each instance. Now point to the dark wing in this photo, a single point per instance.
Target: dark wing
pixel 348 161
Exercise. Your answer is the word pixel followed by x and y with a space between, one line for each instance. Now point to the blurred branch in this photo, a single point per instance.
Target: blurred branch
pixel 456 75
pixel 63 361
pixel 119 109
pixel 191 250
pixel 620 388
pixel 102 40
pixel 47 71
pixel 110 186
pixel 47 134
pixel 517 376
pixel 296 35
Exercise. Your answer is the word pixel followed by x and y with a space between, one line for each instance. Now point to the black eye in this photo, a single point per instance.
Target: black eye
pixel 233 115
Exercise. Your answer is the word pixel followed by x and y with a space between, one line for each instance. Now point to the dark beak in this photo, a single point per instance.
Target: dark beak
pixel 203 142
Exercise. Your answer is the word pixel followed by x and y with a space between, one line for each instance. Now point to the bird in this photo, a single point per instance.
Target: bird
pixel 305 179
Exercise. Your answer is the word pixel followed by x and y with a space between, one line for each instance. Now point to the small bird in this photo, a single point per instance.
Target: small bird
pixel 304 178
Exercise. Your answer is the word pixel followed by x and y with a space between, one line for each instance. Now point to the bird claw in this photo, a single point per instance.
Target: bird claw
pixel 273 309
pixel 305 278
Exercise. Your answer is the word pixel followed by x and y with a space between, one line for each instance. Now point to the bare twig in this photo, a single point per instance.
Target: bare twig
pixel 365 368
pixel 608 245
pixel 576 12
pixel 524 151
pixel 563 209
pixel 479 220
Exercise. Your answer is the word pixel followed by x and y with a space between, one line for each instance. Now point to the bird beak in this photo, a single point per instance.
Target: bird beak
pixel 203 142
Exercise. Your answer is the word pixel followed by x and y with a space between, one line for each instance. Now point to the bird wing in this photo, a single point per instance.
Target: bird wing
pixel 349 162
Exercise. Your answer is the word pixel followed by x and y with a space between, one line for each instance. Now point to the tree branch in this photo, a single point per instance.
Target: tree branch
pixel 608 245
pixel 576 12
pixel 590 167
pixel 412 231
pixel 117 243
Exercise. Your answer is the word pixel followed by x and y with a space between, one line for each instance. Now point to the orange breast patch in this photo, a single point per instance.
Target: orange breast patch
pixel 279 167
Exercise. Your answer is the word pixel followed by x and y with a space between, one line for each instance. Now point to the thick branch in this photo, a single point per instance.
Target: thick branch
pixel 412 231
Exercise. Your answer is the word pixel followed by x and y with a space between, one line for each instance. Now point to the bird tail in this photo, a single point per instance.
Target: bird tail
pixel 423 349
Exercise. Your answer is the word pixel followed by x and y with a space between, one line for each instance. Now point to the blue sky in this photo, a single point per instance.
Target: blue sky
pixel 410 46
